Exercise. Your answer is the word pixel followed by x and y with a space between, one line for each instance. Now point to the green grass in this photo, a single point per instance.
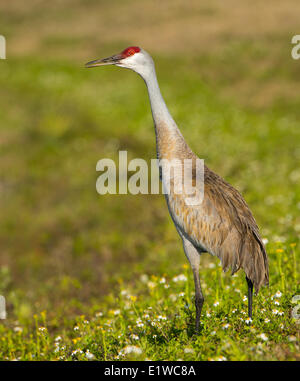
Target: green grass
pixel 69 252
pixel 88 276
pixel 153 318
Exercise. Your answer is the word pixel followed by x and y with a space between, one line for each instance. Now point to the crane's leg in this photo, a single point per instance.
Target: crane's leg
pixel 250 296
pixel 194 259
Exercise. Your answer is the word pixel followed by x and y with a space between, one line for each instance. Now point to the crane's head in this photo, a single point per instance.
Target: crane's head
pixel 133 58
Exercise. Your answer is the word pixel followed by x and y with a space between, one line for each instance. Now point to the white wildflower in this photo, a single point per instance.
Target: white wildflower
pixel 89 355
pixel 132 349
pixel 151 284
pixel 263 337
pixel 76 351
pixel 160 317
pixel 188 350
pixel 144 278
pixel 179 278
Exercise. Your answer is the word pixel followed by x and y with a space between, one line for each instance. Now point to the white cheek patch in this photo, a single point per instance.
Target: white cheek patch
pixel 131 60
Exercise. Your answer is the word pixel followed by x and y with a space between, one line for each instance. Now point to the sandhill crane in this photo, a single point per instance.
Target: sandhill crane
pixel 222 224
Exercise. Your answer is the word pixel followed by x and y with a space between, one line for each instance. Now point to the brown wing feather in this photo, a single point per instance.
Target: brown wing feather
pixel 223 225
pixel 243 247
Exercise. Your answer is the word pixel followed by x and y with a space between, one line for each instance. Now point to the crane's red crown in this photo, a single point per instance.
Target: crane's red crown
pixel 130 51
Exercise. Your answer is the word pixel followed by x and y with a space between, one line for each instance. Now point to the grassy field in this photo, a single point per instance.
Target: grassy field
pixel 104 277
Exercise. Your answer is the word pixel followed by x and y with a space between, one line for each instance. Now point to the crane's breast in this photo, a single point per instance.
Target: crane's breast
pixel 200 223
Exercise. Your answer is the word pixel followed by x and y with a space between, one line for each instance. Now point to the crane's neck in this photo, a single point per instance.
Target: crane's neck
pixel 159 109
pixel 168 136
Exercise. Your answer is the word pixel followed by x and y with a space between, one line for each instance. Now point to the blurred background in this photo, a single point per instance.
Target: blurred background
pixel 228 78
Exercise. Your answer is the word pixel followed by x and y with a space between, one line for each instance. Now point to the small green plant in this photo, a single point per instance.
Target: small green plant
pixel 154 319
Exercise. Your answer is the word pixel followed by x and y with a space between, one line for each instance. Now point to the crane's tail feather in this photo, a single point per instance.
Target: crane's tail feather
pixel 251 256
pixel 254 261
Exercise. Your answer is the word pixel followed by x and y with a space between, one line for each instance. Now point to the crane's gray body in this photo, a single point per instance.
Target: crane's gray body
pixel 221 223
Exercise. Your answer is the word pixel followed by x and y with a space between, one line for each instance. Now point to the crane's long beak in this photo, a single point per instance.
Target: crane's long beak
pixel 113 60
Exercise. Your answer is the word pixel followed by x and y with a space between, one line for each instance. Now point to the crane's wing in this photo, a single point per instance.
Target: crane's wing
pixel 223 225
